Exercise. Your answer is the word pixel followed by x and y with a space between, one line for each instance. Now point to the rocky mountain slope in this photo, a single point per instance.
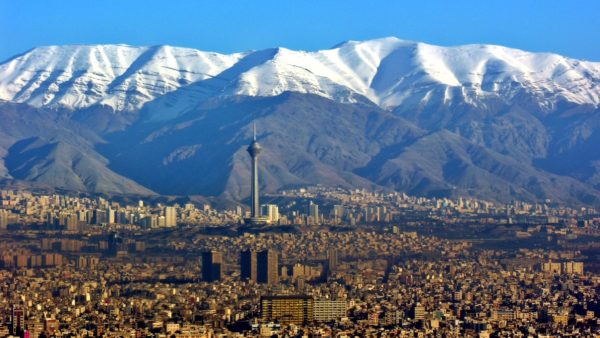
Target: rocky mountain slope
pixel 487 121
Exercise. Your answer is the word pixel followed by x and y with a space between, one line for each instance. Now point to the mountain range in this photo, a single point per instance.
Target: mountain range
pixel 476 120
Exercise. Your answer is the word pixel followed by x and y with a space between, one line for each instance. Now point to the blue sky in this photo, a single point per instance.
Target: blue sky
pixel 570 28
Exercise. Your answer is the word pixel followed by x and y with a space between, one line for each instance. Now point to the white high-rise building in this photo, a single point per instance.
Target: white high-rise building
pixel 170 217
pixel 313 212
pixel 271 211
pixel 110 216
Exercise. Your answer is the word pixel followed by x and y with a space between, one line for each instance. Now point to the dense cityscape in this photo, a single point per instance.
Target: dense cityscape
pixel 298 169
pixel 314 261
pixel 332 262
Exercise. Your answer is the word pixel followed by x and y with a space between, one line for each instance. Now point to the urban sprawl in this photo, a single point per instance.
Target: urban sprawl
pixel 330 262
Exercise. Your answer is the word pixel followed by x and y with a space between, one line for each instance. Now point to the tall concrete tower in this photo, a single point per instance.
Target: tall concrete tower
pixel 254 149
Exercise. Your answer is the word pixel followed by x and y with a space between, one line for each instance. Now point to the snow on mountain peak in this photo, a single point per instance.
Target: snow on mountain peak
pixel 388 71
pixel 120 76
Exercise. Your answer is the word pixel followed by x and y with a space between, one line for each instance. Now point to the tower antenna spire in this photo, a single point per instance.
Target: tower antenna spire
pixel 254 128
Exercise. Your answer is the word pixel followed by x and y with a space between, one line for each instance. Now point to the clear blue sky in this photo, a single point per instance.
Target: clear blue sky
pixel 570 28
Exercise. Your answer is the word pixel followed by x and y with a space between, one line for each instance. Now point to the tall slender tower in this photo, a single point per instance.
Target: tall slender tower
pixel 254 149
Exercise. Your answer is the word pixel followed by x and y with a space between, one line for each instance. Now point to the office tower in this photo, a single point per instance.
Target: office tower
pixel 114 244
pixel 110 216
pixel 271 212
pixel 212 265
pixel 102 203
pixel 3 219
pixel 122 217
pixel 267 267
pixel 89 217
pixel 99 216
pixel 170 217
pixel 313 213
pixel 248 265
pixel 287 309
pixel 332 259
pixel 72 222
pixel 254 149
pixel 150 221
pixel 338 212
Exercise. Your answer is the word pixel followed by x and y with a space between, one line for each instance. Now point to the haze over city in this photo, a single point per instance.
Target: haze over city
pixel 299 169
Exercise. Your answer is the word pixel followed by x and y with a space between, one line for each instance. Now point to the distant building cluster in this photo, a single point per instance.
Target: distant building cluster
pixel 565 267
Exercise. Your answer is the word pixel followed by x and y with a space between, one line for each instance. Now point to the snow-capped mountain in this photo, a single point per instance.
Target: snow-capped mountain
pixel 387 71
pixel 122 77
pixel 479 120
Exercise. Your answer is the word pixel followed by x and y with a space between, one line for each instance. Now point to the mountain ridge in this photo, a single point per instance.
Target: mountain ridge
pixel 473 120
pixel 351 66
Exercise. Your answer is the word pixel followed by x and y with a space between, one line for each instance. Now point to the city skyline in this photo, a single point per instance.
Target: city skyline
pixel 422 272
pixel 299 169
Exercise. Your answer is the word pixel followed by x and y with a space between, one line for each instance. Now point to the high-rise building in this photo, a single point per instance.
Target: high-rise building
pixel 99 216
pixel 71 222
pixel 332 259
pixel 287 309
pixel 254 149
pixel 150 221
pixel 114 244
pixel 162 221
pixel 170 217
pixel 267 266
pixel 3 219
pixel 248 265
pixel 271 212
pixel 338 212
pixel 313 213
pixel 110 216
pixel 212 265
